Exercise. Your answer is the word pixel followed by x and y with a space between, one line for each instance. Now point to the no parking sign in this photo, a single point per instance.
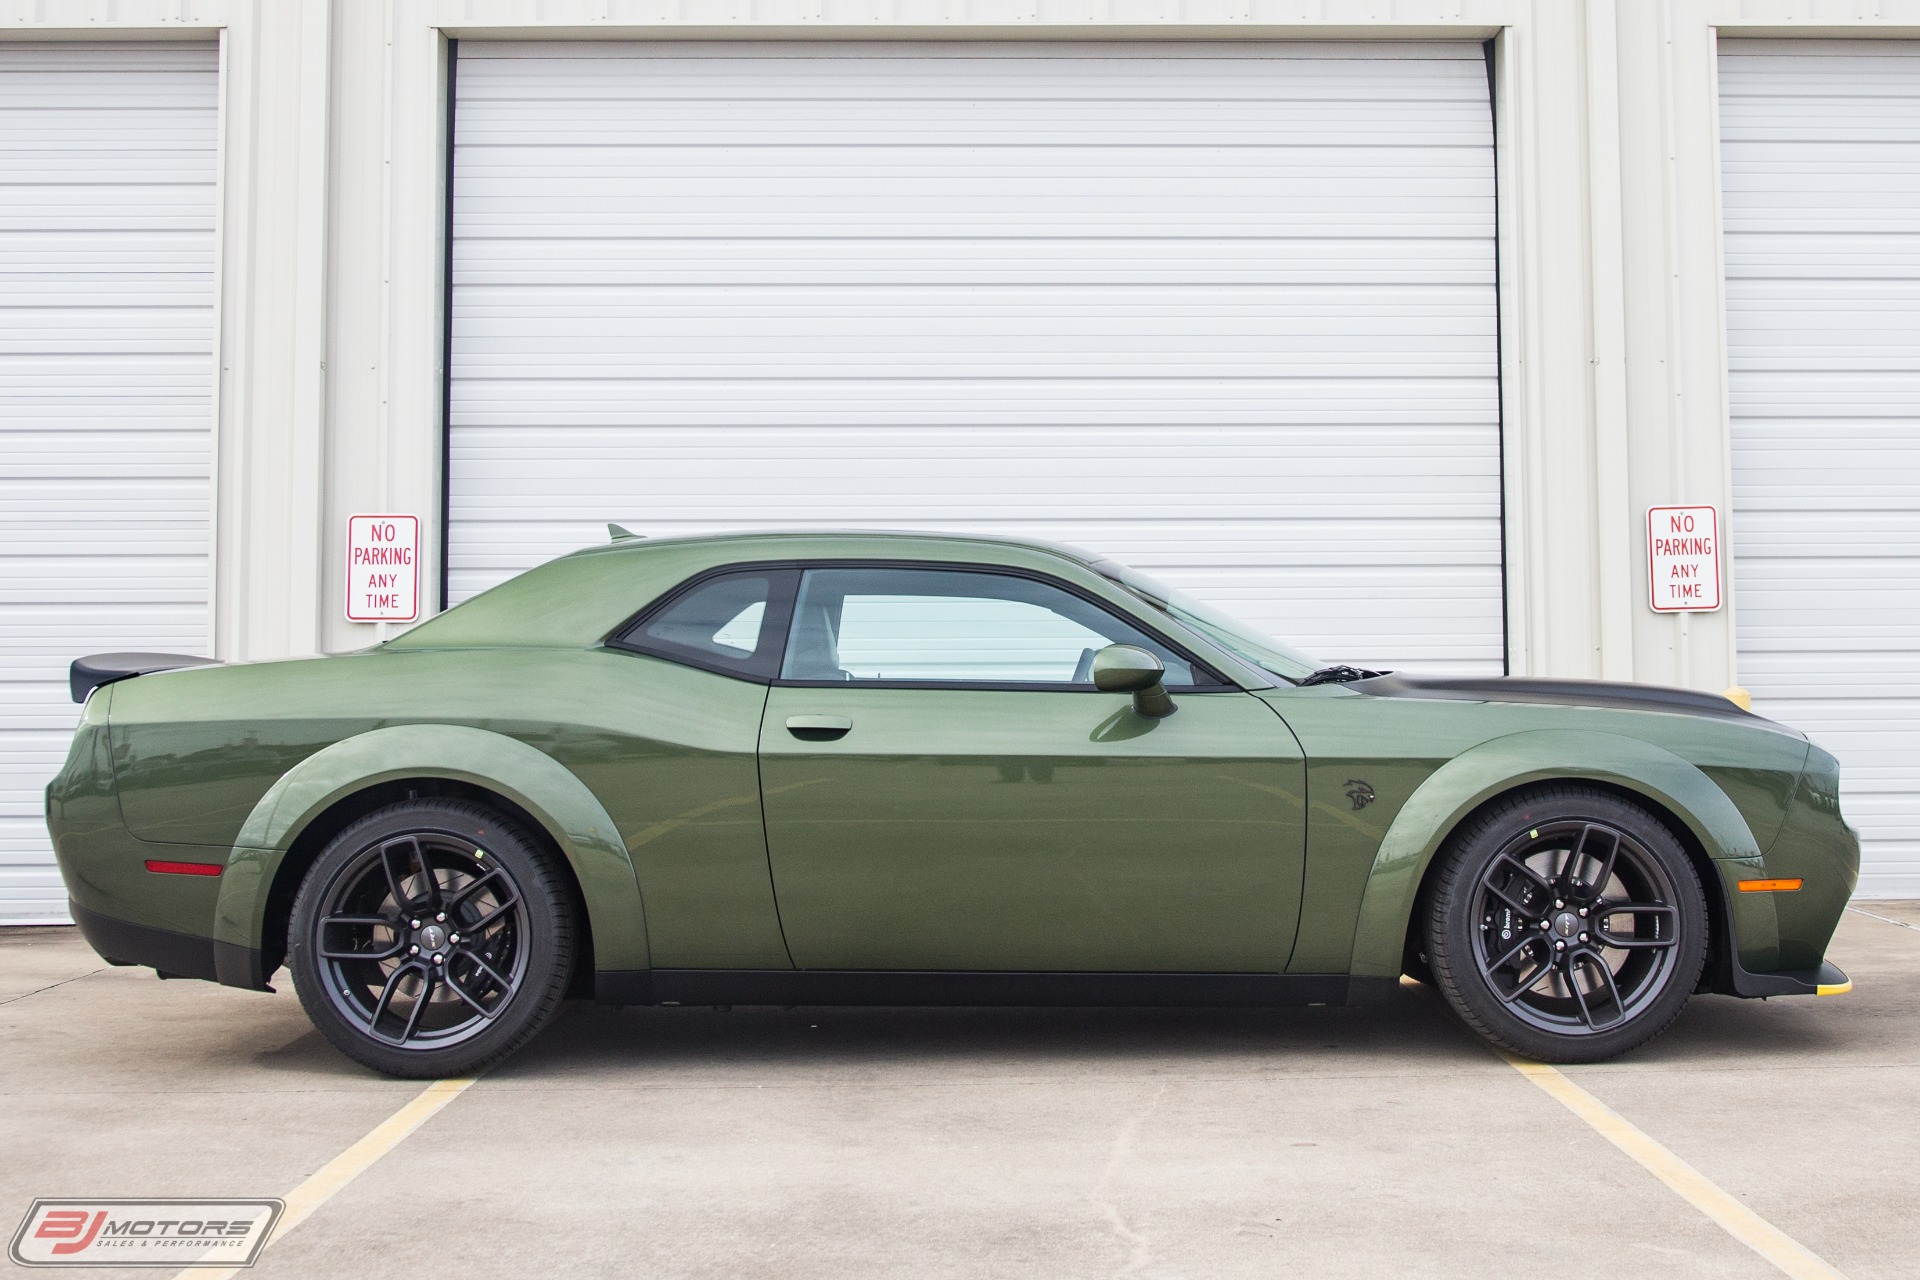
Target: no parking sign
pixel 1683 559
pixel 383 568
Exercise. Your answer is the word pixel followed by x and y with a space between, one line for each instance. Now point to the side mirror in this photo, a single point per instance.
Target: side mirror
pixel 1126 668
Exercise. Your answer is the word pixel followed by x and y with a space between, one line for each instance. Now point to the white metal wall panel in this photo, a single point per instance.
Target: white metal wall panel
pixel 1821 163
pixel 107 164
pixel 1226 312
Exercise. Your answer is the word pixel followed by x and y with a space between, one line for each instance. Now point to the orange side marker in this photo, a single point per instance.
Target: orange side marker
pixel 1770 886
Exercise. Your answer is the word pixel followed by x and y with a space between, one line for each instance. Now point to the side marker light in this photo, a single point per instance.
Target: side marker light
pixel 184 868
pixel 1770 886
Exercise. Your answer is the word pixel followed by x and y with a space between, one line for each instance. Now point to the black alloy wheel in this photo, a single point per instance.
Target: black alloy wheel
pixel 431 938
pixel 1567 925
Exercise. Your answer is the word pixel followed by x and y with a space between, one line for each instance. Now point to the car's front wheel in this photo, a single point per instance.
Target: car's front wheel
pixel 1567 924
pixel 431 938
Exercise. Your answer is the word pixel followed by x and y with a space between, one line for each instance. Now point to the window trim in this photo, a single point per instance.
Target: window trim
pixel 783 585
pixel 785 593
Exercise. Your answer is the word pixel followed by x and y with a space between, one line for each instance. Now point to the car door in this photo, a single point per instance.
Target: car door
pixel 945 789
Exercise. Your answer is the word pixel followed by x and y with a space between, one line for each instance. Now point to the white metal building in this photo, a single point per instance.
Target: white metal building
pixel 1382 324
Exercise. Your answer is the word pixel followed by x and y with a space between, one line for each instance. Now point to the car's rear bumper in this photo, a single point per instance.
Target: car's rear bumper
pixel 170 954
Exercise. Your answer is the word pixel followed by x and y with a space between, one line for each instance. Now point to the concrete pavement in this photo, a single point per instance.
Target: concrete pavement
pixel 864 1142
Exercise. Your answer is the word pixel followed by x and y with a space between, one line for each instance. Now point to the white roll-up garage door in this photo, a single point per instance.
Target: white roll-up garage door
pixel 1821 163
pixel 1226 312
pixel 107 159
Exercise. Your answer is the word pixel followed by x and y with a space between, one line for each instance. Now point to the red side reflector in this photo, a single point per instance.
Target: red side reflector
pixel 1770 886
pixel 184 868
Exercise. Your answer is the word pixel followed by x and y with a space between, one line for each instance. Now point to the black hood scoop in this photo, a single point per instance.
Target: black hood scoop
pixel 1577 693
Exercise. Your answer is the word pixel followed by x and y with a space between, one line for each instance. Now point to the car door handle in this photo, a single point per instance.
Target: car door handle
pixel 819 728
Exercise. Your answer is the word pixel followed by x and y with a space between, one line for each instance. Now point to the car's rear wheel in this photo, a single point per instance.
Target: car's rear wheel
pixel 1567 924
pixel 431 938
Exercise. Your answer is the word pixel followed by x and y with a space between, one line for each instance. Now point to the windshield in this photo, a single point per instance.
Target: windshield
pixel 1229 633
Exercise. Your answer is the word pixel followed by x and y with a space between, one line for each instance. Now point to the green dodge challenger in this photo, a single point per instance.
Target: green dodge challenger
pixel 856 768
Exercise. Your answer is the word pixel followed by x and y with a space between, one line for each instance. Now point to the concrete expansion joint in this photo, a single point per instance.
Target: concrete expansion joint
pixel 1883 919
pixel 51 985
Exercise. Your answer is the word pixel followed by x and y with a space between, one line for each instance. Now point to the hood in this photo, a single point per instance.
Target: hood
pixel 1565 693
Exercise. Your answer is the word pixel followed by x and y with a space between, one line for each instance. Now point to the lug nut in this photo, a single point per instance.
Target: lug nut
pixel 416 924
pixel 1583 913
pixel 413 951
pixel 1557 904
pixel 442 917
pixel 455 938
pixel 1583 937
pixel 1558 946
pixel 437 957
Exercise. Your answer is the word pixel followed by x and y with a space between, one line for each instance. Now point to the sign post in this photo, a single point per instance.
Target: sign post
pixel 383 568
pixel 1683 559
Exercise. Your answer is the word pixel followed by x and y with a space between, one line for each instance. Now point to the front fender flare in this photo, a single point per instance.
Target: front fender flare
pixel 559 801
pixel 1499 765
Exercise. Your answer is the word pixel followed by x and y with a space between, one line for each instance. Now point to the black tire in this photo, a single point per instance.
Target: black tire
pixel 377 949
pixel 1528 937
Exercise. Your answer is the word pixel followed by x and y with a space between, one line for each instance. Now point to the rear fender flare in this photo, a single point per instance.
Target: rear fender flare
pixel 1502 764
pixel 559 801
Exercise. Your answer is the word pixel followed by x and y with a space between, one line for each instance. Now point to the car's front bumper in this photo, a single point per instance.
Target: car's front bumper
pixel 1825 980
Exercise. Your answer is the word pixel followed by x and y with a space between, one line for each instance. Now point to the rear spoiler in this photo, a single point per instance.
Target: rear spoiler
pixel 89 673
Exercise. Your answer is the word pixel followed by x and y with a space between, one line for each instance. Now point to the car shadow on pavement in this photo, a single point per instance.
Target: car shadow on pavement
pixel 1411 1032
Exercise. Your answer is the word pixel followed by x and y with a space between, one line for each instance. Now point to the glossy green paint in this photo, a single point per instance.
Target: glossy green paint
pixel 104 867
pixel 1429 763
pixel 1814 845
pixel 1025 830
pixel 1483 772
pixel 666 752
pixel 968 828
pixel 1125 668
pixel 535 782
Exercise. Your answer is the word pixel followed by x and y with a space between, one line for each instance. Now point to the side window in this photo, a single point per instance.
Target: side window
pixel 954 627
pixel 731 623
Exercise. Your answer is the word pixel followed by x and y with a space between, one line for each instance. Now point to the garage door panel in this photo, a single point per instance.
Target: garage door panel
pixel 1832 120
pixel 935 70
pixel 66 162
pixel 1815 255
pixel 1226 311
pixel 1155 402
pixel 39 636
pixel 28 884
pixel 520 131
pixel 1821 157
pixel 1868 394
pixel 136 257
pixel 844 352
pixel 73 207
pixel 508 265
pixel 1214 551
pixel 892 218
pixel 107 190
pixel 880 181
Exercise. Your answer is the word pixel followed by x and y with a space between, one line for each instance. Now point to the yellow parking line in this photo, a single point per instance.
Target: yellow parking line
pixel 304 1199
pixel 1743 1224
